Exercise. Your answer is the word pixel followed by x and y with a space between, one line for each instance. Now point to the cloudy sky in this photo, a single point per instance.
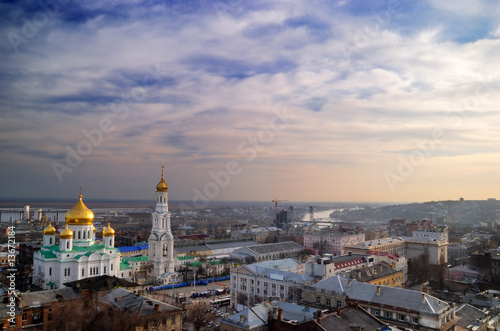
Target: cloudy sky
pixel 247 100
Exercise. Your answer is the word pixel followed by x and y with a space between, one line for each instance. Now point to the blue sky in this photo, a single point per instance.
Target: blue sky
pixel 303 100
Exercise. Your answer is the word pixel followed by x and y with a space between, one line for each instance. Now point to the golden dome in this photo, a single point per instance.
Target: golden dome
pixel 79 214
pixel 108 232
pixel 162 186
pixel 49 230
pixel 66 233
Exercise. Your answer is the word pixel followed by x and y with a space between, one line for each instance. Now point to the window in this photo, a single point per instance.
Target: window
pixel 111 267
pixel 25 317
pixel 401 317
pixel 414 320
pixel 339 304
pixel 318 299
pixel 172 320
pixel 78 234
pixel 83 272
pixel 376 312
pixel 50 271
pixel 49 317
pixel 328 302
pixel 50 241
pixel 164 321
pixel 388 314
pixel 104 269
pixel 67 245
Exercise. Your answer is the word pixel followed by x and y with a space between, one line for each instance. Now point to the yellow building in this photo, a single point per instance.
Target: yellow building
pixel 382 273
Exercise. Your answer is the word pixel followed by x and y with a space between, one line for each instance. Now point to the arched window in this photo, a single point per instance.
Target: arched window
pixel 111 266
pixel 50 241
pixel 67 244
pixel 78 234
pixel 83 234
pixel 104 269
pixel 89 234
pixel 50 271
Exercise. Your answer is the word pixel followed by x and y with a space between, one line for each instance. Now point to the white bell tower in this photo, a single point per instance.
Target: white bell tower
pixel 161 240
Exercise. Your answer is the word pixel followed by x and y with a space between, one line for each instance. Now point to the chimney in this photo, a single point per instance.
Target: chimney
pixel 280 314
pixel 243 318
pixel 380 267
pixel 423 297
pixel 378 290
pixel 349 283
pixel 157 308
pixel 359 274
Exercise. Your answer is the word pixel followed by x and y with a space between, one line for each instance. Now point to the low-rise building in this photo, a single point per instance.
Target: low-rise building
pixel 332 241
pixel 254 283
pixel 267 252
pixel 396 306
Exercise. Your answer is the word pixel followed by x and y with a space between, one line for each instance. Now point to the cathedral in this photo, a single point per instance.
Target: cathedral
pixel 77 255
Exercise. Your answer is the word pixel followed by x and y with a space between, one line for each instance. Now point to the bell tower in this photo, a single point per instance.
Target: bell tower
pixel 161 240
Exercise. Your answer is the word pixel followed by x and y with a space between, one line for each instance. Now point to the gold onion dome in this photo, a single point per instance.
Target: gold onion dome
pixel 66 233
pixel 162 186
pixel 49 230
pixel 108 232
pixel 79 214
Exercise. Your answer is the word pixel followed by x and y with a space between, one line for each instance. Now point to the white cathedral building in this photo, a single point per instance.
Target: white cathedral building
pixel 77 256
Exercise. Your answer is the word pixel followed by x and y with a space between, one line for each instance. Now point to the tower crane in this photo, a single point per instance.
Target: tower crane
pixel 276 210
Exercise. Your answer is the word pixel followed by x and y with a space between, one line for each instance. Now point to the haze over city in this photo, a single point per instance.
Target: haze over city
pixel 300 100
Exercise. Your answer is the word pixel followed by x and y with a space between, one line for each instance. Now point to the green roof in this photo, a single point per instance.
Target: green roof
pixel 215 262
pixel 125 266
pixel 183 258
pixel 135 259
pixel 196 264
pixel 48 254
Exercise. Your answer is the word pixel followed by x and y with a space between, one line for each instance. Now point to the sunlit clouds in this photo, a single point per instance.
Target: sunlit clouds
pixel 304 100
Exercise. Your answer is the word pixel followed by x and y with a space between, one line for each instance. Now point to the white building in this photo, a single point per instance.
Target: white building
pixel 161 240
pixel 254 283
pixel 331 241
pixel 439 233
pixel 76 255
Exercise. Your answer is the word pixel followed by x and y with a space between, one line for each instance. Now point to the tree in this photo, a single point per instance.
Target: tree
pixel 197 314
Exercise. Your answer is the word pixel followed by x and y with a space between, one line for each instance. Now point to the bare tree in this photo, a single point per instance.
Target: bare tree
pixel 197 314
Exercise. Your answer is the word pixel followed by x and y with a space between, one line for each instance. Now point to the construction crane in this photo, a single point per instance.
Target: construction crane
pixel 276 210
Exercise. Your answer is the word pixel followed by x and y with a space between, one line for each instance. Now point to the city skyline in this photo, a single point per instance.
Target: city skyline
pixel 303 101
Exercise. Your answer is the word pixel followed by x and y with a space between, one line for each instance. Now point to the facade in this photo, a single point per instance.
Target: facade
pixel 76 255
pixel 380 274
pixel 438 232
pixel 161 240
pixel 328 265
pixel 333 242
pixel 267 252
pixel 267 315
pixel 254 283
pixel 395 306
pixel 410 247
pixel 80 306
